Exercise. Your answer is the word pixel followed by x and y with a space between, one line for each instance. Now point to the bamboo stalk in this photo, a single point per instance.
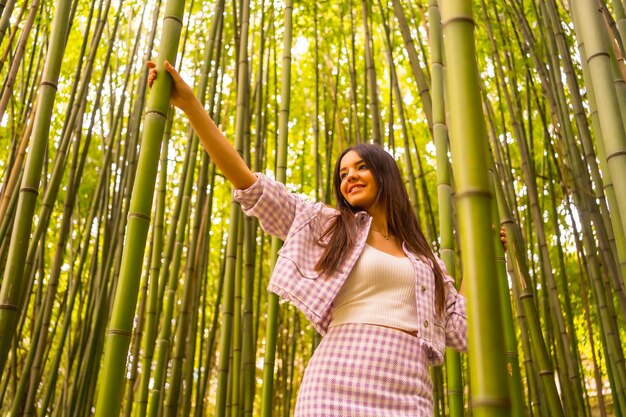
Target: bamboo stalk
pixel 281 175
pixel 610 120
pixel 370 73
pixel 120 327
pixel 12 286
pixel 488 378
pixel 418 75
pixel 454 378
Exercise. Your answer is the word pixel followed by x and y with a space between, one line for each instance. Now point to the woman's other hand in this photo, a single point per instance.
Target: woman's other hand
pixel 181 94
pixel 503 237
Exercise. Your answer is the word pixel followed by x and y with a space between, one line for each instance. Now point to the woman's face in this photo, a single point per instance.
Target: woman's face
pixel 358 185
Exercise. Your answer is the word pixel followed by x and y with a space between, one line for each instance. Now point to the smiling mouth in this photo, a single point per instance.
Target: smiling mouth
pixel 355 188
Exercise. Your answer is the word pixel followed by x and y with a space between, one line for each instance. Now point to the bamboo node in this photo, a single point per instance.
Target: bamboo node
pixel 597 54
pixel 49 84
pixel 614 154
pixel 29 190
pixel 119 332
pixel 458 19
pixel 139 215
pixel 158 113
pixel 547 372
pixel 11 307
pixel 173 17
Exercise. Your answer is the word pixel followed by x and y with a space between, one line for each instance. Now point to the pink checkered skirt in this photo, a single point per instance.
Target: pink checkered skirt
pixel 361 370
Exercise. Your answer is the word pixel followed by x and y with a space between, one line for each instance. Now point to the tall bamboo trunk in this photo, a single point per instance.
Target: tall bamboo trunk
pixel 488 378
pixel 5 13
pixel 224 368
pixel 370 73
pixel 123 311
pixel 611 121
pixel 11 293
pixel 7 91
pixel 281 175
pixel 420 79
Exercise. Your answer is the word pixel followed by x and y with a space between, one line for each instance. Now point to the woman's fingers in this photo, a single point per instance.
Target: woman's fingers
pixel 172 71
pixel 152 73
pixel 151 76
pixel 168 67
pixel 180 93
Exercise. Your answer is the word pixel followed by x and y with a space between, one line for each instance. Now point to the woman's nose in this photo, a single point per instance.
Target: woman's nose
pixel 352 174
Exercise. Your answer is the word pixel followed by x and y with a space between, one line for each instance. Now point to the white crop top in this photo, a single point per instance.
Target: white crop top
pixel 380 289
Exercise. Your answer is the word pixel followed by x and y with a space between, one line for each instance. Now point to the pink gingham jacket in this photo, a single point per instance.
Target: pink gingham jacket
pixel 300 223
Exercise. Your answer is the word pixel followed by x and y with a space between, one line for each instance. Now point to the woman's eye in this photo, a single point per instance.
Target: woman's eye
pixel 342 176
pixel 363 167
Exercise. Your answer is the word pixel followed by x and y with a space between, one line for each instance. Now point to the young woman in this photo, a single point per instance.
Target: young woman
pixel 362 273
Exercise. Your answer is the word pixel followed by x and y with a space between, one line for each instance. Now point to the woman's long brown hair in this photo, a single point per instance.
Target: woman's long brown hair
pixel 401 219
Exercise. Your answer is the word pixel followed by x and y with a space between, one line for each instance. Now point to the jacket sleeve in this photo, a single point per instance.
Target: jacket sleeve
pixel 272 204
pixel 456 316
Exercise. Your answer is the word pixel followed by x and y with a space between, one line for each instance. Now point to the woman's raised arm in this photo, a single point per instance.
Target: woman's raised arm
pixel 217 146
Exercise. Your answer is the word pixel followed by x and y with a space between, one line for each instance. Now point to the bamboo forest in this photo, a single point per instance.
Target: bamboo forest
pixel 133 284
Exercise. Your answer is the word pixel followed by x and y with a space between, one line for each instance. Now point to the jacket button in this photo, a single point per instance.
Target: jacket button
pixel 423 287
pixel 425 323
